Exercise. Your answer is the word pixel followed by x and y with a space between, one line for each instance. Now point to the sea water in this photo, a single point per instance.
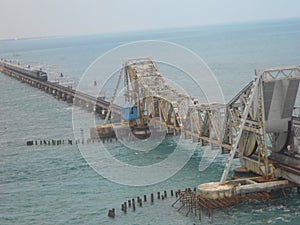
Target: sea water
pixel 55 185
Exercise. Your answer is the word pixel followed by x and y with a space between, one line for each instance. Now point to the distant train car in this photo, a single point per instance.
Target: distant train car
pixel 37 74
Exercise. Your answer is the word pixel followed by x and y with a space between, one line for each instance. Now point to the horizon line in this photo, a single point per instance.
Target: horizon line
pixel 149 30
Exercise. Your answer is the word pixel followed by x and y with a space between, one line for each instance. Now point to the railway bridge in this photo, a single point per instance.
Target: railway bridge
pixel 259 125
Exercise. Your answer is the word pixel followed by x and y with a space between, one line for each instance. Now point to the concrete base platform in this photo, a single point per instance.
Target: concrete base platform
pixel 215 190
pixel 233 188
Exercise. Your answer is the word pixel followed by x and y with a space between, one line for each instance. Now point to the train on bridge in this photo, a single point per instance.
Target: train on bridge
pixel 39 79
pixel 27 71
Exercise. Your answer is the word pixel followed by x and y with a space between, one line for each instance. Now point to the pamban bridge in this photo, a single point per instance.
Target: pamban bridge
pixel 260 126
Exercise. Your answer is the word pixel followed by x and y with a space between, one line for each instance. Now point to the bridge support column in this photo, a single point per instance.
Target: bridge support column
pixel 89 107
pixel 76 101
pixel 95 109
pixel 54 92
pixel 69 99
pixel 99 110
pixel 59 95
pixel 103 113
pixel 63 96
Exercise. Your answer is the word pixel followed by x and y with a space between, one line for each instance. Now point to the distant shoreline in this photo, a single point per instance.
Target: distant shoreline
pixel 167 29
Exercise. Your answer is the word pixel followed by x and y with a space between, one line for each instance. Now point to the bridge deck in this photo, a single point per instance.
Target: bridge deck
pixel 62 92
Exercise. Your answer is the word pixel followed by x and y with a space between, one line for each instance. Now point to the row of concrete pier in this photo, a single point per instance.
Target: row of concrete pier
pixel 93 104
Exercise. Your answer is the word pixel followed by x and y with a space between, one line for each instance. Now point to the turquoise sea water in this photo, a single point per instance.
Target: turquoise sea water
pixel 55 185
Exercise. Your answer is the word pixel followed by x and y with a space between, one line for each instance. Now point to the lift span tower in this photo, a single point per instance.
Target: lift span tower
pixel 260 125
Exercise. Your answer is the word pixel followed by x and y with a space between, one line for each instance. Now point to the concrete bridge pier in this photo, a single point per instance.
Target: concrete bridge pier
pixel 80 102
pixel 69 99
pixel 61 95
pixel 89 107
pixel 83 100
pixel 54 92
pixel 99 110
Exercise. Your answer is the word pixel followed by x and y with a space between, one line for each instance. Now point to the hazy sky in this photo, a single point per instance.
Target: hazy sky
pixel 35 18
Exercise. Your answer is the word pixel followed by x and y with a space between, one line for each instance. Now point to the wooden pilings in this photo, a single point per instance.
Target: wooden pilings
pixel 133 204
pixel 50 142
pixel 187 198
pixel 53 142
pixel 124 207
pixel 138 201
pixel 111 213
